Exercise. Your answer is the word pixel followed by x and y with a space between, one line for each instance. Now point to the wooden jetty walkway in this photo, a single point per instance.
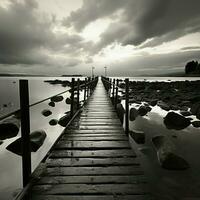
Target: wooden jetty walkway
pixel 93 159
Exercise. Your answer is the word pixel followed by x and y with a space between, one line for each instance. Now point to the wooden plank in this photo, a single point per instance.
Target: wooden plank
pixel 91 162
pixel 100 124
pixel 117 131
pixel 93 135
pixel 121 153
pixel 110 170
pixel 108 189
pixel 97 127
pixel 91 197
pixel 92 145
pixel 106 179
pixel 94 138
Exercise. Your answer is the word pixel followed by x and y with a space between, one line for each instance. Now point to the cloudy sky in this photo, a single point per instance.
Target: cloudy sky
pixel 130 37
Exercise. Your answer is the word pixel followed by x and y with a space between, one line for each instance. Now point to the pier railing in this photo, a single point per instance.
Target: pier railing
pixel 112 87
pixel 87 87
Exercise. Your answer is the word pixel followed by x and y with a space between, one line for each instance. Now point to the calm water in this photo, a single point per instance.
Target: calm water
pixel 10 167
pixel 167 185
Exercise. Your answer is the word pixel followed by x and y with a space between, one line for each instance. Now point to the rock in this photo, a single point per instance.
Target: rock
pixel 120 112
pixel 195 108
pixel 36 140
pixel 9 127
pixel 196 124
pixel 153 102
pixel 184 108
pixel 57 98
pixel 163 105
pixel 133 114
pixel 175 121
pixel 68 101
pixel 148 108
pixel 138 136
pixel 53 122
pixel 52 104
pixel 185 113
pixel 63 121
pixel 1 142
pixel 46 112
pixel 142 110
pixel 167 159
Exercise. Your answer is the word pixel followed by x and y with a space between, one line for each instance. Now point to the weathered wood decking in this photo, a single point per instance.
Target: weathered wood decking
pixel 93 159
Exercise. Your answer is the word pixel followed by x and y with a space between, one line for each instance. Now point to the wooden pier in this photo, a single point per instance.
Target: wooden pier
pixel 93 159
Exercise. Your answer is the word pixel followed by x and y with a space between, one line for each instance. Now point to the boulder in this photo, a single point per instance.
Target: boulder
pixel 52 104
pixel 63 121
pixel 46 112
pixel 9 127
pixel 36 140
pixel 133 114
pixel 68 101
pixel 153 102
pixel 195 108
pixel 138 136
pixel 1 142
pixel 175 121
pixel 196 124
pixel 167 159
pixel 163 105
pixel 185 113
pixel 142 110
pixel 120 112
pixel 57 98
pixel 53 122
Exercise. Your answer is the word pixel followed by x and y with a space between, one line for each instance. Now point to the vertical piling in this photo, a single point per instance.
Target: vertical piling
pixel 127 107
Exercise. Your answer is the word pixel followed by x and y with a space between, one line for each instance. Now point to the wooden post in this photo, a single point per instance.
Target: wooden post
pixel 116 94
pixel 78 97
pixel 25 130
pixel 113 90
pixel 89 92
pixel 72 99
pixel 127 107
pixel 85 86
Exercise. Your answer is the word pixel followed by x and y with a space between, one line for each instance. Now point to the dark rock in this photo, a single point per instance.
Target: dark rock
pixel 185 113
pixel 195 108
pixel 68 101
pixel 120 112
pixel 1 142
pixel 63 121
pixel 153 102
pixel 175 121
pixel 52 104
pixel 9 127
pixel 142 110
pixel 163 105
pixel 185 103
pixel 46 112
pixel 196 124
pixel 57 98
pixel 53 122
pixel 148 108
pixel 138 136
pixel 168 160
pixel 133 114
pixel 36 140
pixel 184 108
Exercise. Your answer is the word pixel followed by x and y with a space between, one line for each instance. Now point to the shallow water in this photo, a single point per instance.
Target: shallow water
pixel 10 168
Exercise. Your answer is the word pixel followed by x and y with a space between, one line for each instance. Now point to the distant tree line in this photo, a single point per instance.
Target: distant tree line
pixel 192 67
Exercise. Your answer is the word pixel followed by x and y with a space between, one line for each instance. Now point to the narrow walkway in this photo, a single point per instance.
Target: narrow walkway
pixel 93 160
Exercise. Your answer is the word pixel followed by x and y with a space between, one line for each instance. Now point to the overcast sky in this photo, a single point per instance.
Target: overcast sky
pixel 130 37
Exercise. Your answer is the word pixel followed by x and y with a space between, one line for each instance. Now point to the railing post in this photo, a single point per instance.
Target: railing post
pixel 78 96
pixel 116 95
pixel 25 130
pixel 127 107
pixel 113 90
pixel 89 92
pixel 72 99
pixel 85 86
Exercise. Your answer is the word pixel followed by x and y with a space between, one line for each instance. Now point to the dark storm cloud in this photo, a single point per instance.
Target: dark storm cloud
pixel 26 36
pixel 157 20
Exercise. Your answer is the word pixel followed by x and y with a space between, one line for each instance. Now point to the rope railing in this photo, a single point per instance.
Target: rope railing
pixel 113 85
